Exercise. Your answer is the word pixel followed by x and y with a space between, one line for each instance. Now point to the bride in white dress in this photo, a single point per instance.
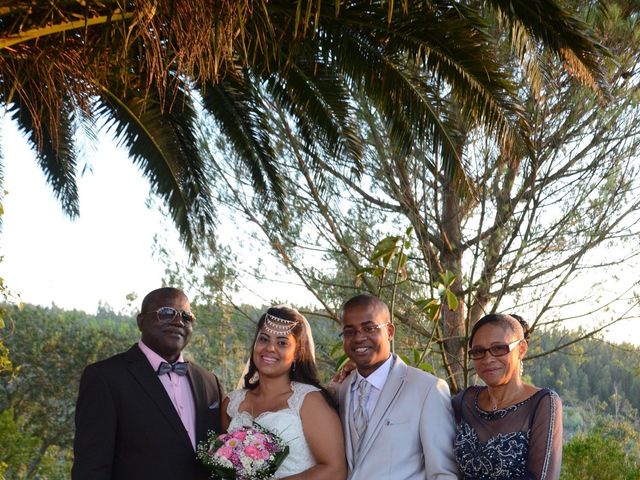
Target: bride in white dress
pixel 282 393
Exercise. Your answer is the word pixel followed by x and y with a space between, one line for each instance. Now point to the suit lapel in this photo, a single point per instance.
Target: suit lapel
pixel 148 379
pixel 390 391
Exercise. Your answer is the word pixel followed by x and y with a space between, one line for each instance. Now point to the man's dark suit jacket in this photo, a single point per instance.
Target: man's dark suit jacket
pixel 127 428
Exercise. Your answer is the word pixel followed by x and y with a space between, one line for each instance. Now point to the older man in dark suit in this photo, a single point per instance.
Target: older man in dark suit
pixel 141 413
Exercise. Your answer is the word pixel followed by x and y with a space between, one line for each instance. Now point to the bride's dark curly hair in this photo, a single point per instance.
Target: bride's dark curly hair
pixel 304 369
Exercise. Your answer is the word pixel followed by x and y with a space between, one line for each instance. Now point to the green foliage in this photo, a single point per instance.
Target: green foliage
pixel 49 349
pixel 83 62
pixel 609 452
pixel 21 456
pixel 16 447
pixel 416 359
pixel 5 361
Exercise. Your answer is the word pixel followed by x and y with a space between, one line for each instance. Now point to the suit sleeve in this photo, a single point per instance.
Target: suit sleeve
pixel 437 433
pixel 95 435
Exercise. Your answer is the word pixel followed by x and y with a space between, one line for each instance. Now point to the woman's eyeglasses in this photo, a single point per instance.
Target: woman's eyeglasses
pixel 368 330
pixel 495 350
pixel 168 314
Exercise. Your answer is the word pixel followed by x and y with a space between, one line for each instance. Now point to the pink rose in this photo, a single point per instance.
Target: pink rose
pixel 240 435
pixel 255 453
pixel 222 437
pixel 225 452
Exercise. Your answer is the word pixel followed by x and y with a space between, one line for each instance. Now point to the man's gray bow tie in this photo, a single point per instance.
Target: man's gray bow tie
pixel 177 367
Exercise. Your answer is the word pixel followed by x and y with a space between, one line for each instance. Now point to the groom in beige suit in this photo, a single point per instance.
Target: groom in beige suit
pixel 397 420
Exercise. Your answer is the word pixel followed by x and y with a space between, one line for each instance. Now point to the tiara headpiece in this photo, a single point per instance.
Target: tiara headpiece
pixel 278 326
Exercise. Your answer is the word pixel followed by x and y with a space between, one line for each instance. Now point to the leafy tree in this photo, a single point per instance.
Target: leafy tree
pixel 17 447
pixel 5 295
pixel 523 240
pixel 139 68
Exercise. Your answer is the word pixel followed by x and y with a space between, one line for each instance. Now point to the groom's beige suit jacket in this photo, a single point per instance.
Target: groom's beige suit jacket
pixel 410 432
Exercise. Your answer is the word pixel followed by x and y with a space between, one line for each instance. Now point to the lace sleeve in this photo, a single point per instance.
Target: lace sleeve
pixel 235 399
pixel 300 390
pixel 545 444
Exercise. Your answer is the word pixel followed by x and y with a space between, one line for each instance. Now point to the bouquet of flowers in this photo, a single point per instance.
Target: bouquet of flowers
pixel 246 453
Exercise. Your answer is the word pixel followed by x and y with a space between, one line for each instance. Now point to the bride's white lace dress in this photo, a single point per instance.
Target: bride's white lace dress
pixel 285 423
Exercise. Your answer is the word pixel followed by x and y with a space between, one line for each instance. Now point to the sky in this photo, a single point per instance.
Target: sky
pixel 102 257
pixel 106 254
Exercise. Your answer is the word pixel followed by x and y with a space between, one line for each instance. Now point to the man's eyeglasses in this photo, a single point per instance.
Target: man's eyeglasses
pixel 368 330
pixel 495 350
pixel 168 314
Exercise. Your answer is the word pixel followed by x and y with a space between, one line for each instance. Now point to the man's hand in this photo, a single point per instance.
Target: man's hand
pixel 341 374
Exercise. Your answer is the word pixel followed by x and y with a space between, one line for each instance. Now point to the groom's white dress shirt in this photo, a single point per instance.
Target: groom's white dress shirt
pixel 377 380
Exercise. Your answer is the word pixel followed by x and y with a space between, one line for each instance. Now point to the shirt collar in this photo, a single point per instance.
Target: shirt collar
pixel 377 378
pixel 154 359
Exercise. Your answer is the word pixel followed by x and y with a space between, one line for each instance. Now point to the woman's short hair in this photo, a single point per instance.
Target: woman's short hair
pixel 509 321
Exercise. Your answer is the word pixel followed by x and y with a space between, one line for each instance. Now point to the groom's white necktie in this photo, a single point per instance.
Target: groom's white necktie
pixel 360 415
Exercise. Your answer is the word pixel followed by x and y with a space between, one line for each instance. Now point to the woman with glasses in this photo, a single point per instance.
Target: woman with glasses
pixel 506 429
pixel 281 392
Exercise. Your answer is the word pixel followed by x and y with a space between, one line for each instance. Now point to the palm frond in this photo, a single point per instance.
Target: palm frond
pixel 563 33
pixel 55 150
pixel 239 111
pixel 317 99
pixel 412 61
pixel 163 142
pixel 408 95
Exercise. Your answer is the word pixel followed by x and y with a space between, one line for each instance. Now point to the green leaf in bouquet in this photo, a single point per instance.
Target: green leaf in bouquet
pixel 222 473
pixel 279 458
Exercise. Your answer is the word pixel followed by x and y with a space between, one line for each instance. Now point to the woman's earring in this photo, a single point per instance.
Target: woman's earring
pixel 521 368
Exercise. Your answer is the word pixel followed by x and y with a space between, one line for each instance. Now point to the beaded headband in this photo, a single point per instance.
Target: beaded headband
pixel 278 326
